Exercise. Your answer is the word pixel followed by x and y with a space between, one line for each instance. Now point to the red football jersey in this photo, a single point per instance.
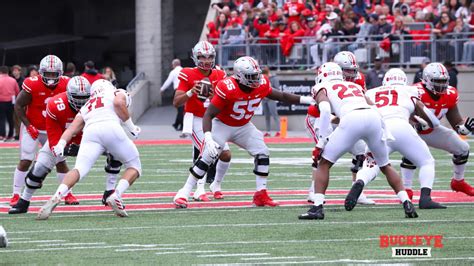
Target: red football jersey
pixel 60 116
pixel 441 106
pixel 40 94
pixel 236 106
pixel 293 7
pixel 188 77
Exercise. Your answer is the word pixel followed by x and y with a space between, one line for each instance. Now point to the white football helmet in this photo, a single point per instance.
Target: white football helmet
pixel 247 72
pixel 50 69
pixel 436 78
pixel 329 72
pixel 204 55
pixel 100 86
pixel 395 76
pixel 78 92
pixel 347 61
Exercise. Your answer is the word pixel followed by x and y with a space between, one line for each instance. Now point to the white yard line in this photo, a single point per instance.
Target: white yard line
pixel 146 249
pixel 190 252
pixel 36 241
pixel 72 244
pixel 39 250
pixel 279 258
pixel 233 255
pixel 345 261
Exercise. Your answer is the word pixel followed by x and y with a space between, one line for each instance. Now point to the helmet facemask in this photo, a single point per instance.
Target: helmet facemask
pixel 77 101
pixel 350 74
pixel 204 62
pixel 50 78
pixel 438 86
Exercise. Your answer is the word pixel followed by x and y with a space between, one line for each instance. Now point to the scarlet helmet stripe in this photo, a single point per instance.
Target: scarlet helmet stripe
pixel 254 63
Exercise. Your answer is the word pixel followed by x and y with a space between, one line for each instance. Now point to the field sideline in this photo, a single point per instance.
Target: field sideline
pixel 231 231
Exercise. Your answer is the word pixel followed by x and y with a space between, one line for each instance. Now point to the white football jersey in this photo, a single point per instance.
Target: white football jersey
pixel 343 96
pixel 100 108
pixel 394 101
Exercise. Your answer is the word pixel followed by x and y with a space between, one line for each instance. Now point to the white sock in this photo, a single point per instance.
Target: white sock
pixel 403 196
pixel 60 177
pixel 28 193
pixel 189 185
pixel 110 181
pixel 221 170
pixel 200 185
pixel 407 175
pixel 318 199
pixel 121 187
pixel 261 183
pixel 459 171
pixel 18 181
pixel 427 175
pixel 61 191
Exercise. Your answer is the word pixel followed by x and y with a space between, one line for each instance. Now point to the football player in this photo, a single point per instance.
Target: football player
pixel 357 121
pixel 350 72
pixel 193 91
pixel 30 107
pixel 442 100
pixel 100 120
pixel 396 102
pixel 228 119
pixel 61 110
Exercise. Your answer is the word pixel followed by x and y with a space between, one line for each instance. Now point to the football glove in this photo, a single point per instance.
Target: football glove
pixel 420 124
pixel 34 133
pixel 211 146
pixel 71 150
pixel 58 150
pixel 466 128
pixel 132 128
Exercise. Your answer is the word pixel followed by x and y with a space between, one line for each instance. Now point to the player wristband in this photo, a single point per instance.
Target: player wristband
pixel 189 93
pixel 307 100
pixel 129 124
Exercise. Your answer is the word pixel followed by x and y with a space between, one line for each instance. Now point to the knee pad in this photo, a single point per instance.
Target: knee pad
pixel 407 164
pixel 357 163
pixel 199 169
pixel 460 159
pixel 262 165
pixel 35 177
pixel 112 166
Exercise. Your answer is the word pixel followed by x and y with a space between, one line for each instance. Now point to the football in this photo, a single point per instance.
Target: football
pixel 206 88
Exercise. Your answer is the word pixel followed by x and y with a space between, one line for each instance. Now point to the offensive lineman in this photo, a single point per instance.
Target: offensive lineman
pixel 357 121
pixel 396 102
pixel 188 93
pixel 61 110
pixel 442 100
pixel 228 119
pixel 100 120
pixel 30 107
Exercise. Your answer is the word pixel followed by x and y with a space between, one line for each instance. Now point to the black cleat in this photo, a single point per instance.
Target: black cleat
pixel 353 196
pixel 428 203
pixel 20 207
pixel 107 193
pixel 315 213
pixel 410 211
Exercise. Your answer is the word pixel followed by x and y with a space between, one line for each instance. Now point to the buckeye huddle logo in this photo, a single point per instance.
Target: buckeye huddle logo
pixel 404 246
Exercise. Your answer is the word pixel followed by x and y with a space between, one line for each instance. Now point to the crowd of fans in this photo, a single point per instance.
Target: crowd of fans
pixel 11 80
pixel 353 22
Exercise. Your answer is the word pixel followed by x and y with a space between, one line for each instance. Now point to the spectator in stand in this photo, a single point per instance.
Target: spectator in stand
pixel 264 4
pixel 70 70
pixel 362 35
pixel 399 32
pixel 463 11
pixel 419 73
pixel 468 47
pixel 453 73
pixel 349 29
pixel 324 37
pixel 109 75
pixel 270 106
pixel 224 5
pixel 381 28
pixel 271 14
pixel 378 10
pixel 17 75
pixel 213 34
pixel 173 79
pixel 374 77
pixel 90 72
pixel 292 10
pixel 405 12
pixel 32 71
pixel 292 36
pixel 8 91
pixel 360 8
pixel 234 17
pixel 441 30
pixel 386 12
pixel 461 34
pixel 221 23
pixel 453 6
pixel 311 30
pixel 233 38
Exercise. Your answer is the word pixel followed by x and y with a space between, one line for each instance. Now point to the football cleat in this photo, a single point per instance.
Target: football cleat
pixel 364 200
pixel 218 195
pixel 48 208
pixel 14 199
pixel 107 194
pixel 20 207
pixel 3 238
pixel 180 203
pixel 116 203
pixel 462 186
pixel 426 202
pixel 315 213
pixel 261 199
pixel 410 193
pixel 202 197
pixel 353 195
pixel 70 199
pixel 410 211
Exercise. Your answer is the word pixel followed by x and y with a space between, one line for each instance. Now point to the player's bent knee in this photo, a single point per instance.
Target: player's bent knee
pixel 225 156
pixel 262 165
pixel 460 159
pixel 199 169
pixel 407 164
pixel 357 163
pixel 112 166
pixel 35 177
pixel 135 164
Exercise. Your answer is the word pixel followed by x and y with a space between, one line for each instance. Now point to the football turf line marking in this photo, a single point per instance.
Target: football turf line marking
pixel 54 249
pixel 190 252
pixel 357 261
pixel 147 249
pixel 232 255
pixel 72 244
pixel 280 258
pixel 36 241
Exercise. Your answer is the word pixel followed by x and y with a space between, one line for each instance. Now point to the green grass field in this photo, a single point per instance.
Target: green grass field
pixel 231 235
